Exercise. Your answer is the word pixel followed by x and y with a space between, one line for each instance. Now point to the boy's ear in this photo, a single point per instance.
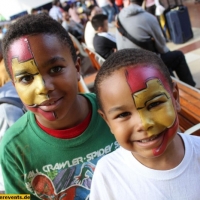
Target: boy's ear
pixel 103 115
pixel 176 97
pixel 100 28
pixel 78 67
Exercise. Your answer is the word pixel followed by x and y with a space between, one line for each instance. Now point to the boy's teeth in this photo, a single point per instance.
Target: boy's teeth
pixel 147 140
pixel 51 103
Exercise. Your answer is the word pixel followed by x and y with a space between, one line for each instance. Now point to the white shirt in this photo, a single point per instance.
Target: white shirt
pixel 120 176
pixel 55 13
pixel 89 35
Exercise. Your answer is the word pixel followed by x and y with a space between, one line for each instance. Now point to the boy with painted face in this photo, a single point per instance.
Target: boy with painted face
pixel 52 151
pixel 139 102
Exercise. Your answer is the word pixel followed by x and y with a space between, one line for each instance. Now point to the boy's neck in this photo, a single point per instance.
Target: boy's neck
pixel 170 159
pixel 101 31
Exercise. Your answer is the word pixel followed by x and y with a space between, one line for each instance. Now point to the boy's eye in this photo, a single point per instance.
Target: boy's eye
pixel 55 69
pixel 122 115
pixel 26 79
pixel 154 104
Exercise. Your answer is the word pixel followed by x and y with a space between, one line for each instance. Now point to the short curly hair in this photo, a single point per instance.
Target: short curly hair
pixel 34 25
pixel 128 57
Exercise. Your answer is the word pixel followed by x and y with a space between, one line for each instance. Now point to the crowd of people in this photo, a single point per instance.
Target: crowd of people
pixel 120 142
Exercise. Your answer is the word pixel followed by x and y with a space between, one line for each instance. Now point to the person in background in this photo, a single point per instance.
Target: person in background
pixel 104 43
pixel 4 77
pixel 56 12
pixel 74 13
pixel 89 30
pixel 152 5
pixel 139 102
pixel 107 7
pixel 76 29
pixel 52 150
pixel 145 26
pixel 119 4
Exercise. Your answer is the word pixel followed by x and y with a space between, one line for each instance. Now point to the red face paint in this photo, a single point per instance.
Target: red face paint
pixel 27 78
pixel 20 50
pixel 148 88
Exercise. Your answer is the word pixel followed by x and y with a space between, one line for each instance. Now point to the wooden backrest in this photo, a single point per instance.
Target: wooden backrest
pixel 95 58
pixel 82 87
pixel 78 45
pixel 190 106
pixel 89 80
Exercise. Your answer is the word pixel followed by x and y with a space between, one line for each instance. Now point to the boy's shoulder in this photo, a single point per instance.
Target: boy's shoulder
pixel 191 140
pixel 91 97
pixel 113 158
pixel 192 147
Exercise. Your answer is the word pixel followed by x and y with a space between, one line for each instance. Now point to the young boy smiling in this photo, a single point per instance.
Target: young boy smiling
pixel 139 102
pixel 52 151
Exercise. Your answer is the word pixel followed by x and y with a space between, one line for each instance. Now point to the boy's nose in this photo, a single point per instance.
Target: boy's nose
pixel 146 122
pixel 44 86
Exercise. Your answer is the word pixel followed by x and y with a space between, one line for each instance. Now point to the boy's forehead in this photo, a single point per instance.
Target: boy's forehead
pixel 138 76
pixel 20 50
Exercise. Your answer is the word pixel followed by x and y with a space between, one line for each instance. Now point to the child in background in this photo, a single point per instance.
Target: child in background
pixel 89 32
pixel 104 43
pixel 139 102
pixel 51 152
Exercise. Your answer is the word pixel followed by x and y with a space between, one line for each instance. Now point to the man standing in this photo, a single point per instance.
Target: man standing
pixel 142 25
pixel 76 29
pixel 55 11
pixel 107 7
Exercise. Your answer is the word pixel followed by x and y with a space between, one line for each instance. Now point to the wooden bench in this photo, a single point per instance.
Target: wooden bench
pixel 95 58
pixel 190 106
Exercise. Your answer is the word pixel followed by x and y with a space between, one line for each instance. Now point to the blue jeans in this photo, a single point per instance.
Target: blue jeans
pixel 109 11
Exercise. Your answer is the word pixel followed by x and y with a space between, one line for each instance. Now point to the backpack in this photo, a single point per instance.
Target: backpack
pixel 13 101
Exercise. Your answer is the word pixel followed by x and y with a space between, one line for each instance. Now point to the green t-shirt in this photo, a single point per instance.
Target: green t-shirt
pixel 33 162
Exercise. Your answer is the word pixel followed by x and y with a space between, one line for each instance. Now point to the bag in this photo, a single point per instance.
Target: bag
pixel 149 44
pixel 13 101
pixel 179 25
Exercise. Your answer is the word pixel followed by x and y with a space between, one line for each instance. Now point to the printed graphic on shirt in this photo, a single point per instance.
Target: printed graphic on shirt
pixel 68 180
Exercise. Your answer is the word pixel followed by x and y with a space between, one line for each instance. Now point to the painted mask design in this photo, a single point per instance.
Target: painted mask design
pixel 152 97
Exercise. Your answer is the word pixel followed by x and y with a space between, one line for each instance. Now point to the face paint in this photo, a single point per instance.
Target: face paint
pixel 27 79
pixel 153 102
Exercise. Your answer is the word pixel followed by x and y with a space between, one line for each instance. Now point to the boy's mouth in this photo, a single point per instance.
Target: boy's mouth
pixel 49 102
pixel 154 137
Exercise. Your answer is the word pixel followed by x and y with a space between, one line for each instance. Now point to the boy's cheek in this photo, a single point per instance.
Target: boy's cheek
pixel 28 95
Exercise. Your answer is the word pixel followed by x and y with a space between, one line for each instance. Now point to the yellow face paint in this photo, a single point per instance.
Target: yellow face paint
pixel 26 76
pixel 29 82
pixel 155 107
